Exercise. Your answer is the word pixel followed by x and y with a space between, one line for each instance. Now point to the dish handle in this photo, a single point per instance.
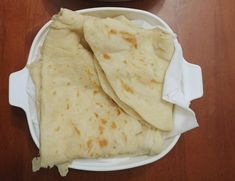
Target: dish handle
pixel 192 81
pixel 17 88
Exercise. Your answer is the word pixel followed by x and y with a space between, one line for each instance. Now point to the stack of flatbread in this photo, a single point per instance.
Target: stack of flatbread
pixel 98 85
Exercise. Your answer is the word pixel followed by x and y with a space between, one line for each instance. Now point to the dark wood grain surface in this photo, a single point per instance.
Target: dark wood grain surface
pixel 206 30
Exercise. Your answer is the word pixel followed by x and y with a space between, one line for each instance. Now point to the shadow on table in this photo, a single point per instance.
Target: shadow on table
pixel 53 6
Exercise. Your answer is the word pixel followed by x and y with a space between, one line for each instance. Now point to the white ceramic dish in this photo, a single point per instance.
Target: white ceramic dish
pixel 18 95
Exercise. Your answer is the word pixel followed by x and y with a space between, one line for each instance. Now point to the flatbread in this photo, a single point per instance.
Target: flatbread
pixel 106 85
pixel 110 92
pixel 35 72
pixel 78 120
pixel 134 62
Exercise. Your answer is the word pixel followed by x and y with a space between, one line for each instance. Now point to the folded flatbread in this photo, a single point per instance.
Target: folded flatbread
pixel 78 119
pixel 134 62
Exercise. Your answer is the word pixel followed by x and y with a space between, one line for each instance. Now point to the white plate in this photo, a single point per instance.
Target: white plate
pixel 18 95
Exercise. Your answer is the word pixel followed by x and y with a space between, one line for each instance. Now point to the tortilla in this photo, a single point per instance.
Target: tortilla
pixel 134 62
pixel 110 92
pixel 35 72
pixel 78 120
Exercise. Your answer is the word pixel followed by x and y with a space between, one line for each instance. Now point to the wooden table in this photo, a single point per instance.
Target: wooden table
pixel 206 30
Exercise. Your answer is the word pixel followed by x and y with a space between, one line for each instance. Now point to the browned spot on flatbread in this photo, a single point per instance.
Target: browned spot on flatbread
pixel 89 72
pixel 78 94
pixel 106 56
pixel 113 125
pixel 126 87
pixel 54 92
pixel 126 34
pixel 103 121
pixel 96 114
pixel 67 106
pixel 125 62
pixel 112 31
pixel 95 92
pixel 76 129
pixel 154 81
pixel 103 143
pixel 94 83
pixel 130 38
pixel 99 104
pixel 101 130
pixel 132 41
pixel 119 111
pixel 89 143
pixel 112 101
